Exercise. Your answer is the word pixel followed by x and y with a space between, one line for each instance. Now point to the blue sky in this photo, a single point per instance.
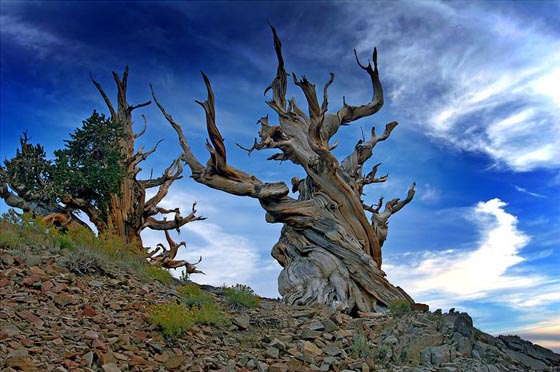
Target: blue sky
pixel 474 86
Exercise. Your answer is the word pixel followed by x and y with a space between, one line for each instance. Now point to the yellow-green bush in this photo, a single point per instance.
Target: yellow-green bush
pixel 194 296
pixel 209 314
pixel 241 295
pixel 88 253
pixel 173 318
pixel 158 273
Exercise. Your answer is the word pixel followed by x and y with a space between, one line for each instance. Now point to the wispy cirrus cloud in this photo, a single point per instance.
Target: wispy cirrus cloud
pixel 40 40
pixel 525 191
pixel 475 76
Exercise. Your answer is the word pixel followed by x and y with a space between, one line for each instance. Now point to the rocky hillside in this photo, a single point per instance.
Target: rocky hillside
pixel 56 315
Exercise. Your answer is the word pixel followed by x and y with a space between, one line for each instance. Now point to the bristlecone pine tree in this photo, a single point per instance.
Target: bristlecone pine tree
pixel 97 174
pixel 329 250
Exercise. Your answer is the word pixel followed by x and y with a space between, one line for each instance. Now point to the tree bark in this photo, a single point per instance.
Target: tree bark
pixel 129 212
pixel 329 250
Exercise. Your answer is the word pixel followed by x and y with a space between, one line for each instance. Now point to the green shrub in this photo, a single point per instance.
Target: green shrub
pixel 64 242
pixel 184 277
pixel 241 295
pixel 194 296
pixel 381 352
pixel 158 273
pixel 399 307
pixel 209 314
pixel 174 319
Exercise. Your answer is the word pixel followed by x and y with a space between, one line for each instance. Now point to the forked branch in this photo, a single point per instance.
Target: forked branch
pixel 217 173
pixel 349 113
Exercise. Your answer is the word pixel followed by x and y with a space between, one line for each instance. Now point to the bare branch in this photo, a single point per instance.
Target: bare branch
pixel 166 258
pixel 172 173
pixel 121 88
pixel 256 146
pixel 140 156
pixel 176 223
pixel 325 104
pixel 173 247
pixel 138 135
pixel 398 206
pixel 88 209
pixel 218 149
pixel 349 113
pixel 134 107
pixel 279 84
pixel 105 98
pixel 380 221
pixel 311 97
pixel 188 156
pixel 167 175
pixel 370 177
pixel 353 163
pixel 218 174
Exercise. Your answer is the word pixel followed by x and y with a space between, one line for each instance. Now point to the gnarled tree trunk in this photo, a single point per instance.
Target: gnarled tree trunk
pixel 329 250
pixel 129 212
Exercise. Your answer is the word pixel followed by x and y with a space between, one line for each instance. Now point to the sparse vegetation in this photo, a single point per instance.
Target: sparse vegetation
pixel 361 346
pixel 194 296
pixel 87 253
pixel 173 318
pixel 158 273
pixel 399 307
pixel 241 295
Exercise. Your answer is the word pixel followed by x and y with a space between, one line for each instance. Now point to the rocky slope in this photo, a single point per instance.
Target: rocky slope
pixel 52 319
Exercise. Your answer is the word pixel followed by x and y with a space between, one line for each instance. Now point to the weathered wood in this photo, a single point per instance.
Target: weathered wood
pixel 329 250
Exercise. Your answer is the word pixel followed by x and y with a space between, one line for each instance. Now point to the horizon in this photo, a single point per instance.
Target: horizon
pixel 474 88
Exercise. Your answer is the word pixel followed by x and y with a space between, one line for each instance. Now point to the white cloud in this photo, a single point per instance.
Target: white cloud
pixel 30 36
pixel 232 249
pixel 473 76
pixel 226 258
pixel 455 275
pixel 525 191
pixel 429 194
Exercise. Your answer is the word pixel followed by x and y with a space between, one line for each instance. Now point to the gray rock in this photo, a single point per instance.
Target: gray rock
pixel 329 325
pixel 526 360
pixel 436 355
pixel 391 340
pixel 241 321
pixel 33 260
pixel 272 352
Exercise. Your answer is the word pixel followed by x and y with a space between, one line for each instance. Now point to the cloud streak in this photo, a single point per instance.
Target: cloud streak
pixel 451 76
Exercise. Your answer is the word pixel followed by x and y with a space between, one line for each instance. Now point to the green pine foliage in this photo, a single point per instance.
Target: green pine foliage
pixel 90 167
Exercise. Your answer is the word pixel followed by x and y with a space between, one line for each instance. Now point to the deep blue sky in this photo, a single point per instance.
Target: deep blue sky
pixel 474 86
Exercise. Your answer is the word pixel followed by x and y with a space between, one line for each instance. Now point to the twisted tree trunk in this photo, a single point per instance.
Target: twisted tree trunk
pixel 330 251
pixel 128 212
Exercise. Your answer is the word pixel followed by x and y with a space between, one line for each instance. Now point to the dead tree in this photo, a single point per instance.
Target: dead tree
pixel 329 250
pixel 130 212
pixel 25 184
